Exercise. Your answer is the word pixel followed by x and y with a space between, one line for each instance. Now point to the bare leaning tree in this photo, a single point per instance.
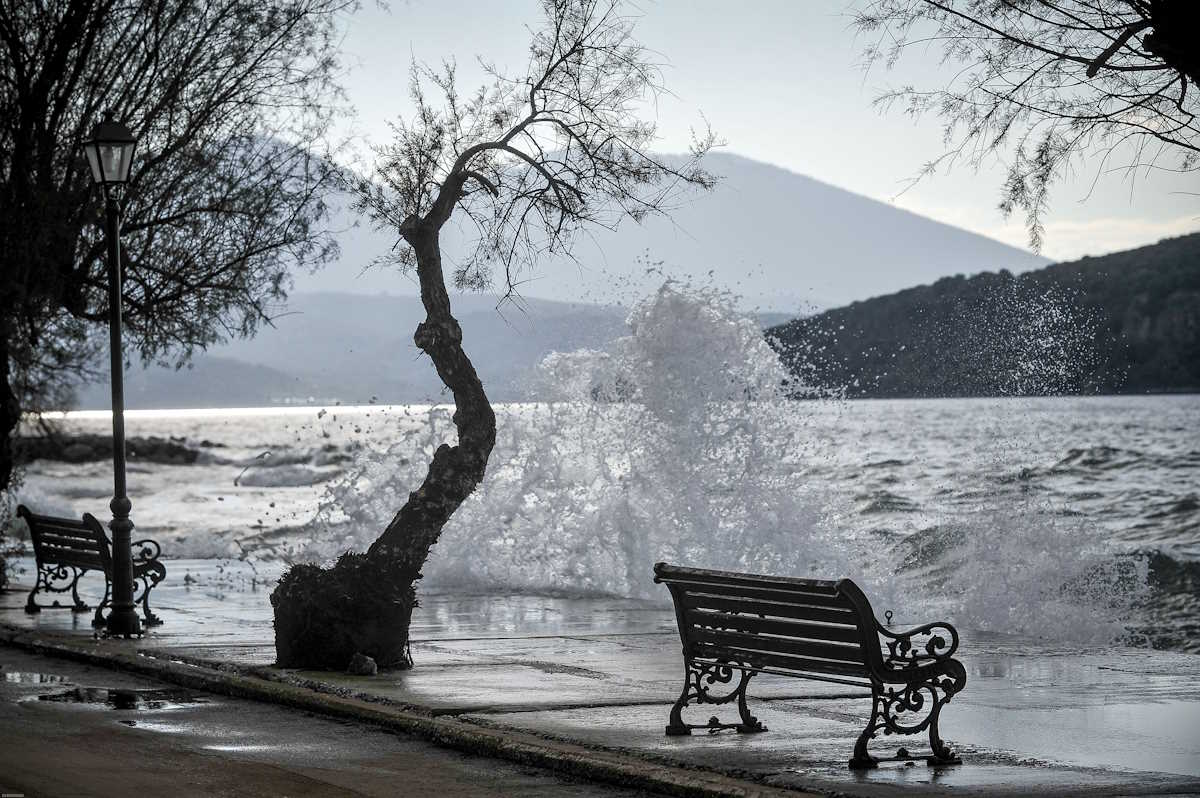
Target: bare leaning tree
pixel 528 162
pixel 1049 84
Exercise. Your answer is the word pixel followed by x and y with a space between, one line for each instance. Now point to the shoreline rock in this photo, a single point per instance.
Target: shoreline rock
pixel 94 448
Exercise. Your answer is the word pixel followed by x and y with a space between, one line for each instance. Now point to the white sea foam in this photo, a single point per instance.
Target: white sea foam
pixel 676 444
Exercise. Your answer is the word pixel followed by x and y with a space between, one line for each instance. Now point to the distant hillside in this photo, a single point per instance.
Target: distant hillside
pixel 782 240
pixel 1128 322
pixel 211 382
pixel 355 348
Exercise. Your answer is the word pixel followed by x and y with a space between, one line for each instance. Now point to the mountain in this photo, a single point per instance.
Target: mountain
pixel 1128 322
pixel 784 241
pixel 211 381
pixel 355 348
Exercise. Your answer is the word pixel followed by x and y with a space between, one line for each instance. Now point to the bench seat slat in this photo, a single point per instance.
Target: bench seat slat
pixel 80 559
pixel 52 553
pixel 787 596
pixel 856 680
pixel 771 626
pixel 804 648
pixel 799 612
pixel 771 659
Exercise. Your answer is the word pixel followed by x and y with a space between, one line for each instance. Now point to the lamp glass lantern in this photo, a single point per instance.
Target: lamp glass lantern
pixel 110 152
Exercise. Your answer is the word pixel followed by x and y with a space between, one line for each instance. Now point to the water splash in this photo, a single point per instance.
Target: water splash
pixel 677 443
pixel 1023 570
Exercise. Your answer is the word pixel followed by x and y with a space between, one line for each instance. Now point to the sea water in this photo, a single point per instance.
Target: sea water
pixel 1073 517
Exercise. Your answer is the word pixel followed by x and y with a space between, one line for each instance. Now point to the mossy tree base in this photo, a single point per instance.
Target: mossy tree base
pixel 362 605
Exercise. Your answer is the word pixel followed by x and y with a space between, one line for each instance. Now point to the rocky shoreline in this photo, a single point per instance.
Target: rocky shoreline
pixel 93 448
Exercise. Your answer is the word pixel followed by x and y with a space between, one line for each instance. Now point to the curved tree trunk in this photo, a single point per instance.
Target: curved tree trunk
pixel 363 604
pixel 455 470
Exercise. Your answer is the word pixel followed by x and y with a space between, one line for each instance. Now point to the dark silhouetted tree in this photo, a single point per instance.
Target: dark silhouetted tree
pixel 1050 83
pixel 527 162
pixel 230 101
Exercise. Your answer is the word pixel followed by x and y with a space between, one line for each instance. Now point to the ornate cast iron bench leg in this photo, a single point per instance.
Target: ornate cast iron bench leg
pixel 98 618
pixel 146 583
pixel 698 681
pixel 49 579
pixel 954 681
pixel 31 606
pixel 148 572
pixel 862 759
pixel 911 709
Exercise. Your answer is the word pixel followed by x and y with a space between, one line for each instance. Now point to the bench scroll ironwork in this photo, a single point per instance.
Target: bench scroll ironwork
pixel 734 626
pixel 65 549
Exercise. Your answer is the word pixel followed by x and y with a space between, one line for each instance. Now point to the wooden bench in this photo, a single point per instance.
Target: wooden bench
pixel 814 629
pixel 66 549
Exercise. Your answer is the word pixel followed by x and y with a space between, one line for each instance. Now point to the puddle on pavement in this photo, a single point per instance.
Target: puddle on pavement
pixel 114 698
pixel 29 677
pixel 162 728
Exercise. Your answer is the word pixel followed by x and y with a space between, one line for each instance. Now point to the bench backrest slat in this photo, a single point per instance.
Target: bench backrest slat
pixel 834 652
pixel 65 527
pixel 670 573
pixel 776 609
pixel 774 626
pixel 73 542
pixel 808 596
pixel 784 623
pixel 65 541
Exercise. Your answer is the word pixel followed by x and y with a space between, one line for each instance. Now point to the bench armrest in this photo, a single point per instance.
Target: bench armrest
pixel 146 550
pixel 921 645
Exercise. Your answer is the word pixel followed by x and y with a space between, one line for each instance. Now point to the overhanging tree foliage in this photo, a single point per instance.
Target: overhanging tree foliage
pixel 230 100
pixel 528 162
pixel 1050 83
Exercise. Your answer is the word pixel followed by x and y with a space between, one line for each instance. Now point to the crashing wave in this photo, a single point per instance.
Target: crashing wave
pixel 679 442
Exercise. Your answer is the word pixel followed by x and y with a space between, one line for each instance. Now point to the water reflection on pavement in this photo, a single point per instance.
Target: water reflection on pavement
pixel 68 729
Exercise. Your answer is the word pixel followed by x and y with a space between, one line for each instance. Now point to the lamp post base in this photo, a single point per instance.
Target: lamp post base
pixel 123 622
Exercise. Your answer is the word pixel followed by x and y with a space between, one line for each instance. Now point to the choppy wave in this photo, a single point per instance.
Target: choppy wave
pixel 677 444
pixel 1076 518
pixel 1172 618
pixel 884 501
pixel 1186 507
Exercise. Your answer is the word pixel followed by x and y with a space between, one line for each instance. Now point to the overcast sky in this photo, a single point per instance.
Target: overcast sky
pixel 780 81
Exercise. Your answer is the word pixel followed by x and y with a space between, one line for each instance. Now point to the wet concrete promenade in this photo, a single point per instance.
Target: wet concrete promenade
pixel 601 674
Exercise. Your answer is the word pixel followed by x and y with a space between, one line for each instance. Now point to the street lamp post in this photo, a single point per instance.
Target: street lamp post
pixel 110 154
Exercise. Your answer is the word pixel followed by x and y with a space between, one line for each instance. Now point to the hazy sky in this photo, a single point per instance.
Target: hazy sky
pixel 781 81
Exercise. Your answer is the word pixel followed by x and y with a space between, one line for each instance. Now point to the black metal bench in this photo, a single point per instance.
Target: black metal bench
pixel 814 629
pixel 66 549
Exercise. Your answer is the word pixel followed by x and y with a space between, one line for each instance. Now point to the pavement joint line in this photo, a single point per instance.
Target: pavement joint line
pixel 481 709
pixel 620 767
pixel 489 709
pixel 602 637
pixel 587 638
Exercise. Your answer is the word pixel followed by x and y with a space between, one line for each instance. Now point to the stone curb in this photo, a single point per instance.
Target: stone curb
pixel 598 765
